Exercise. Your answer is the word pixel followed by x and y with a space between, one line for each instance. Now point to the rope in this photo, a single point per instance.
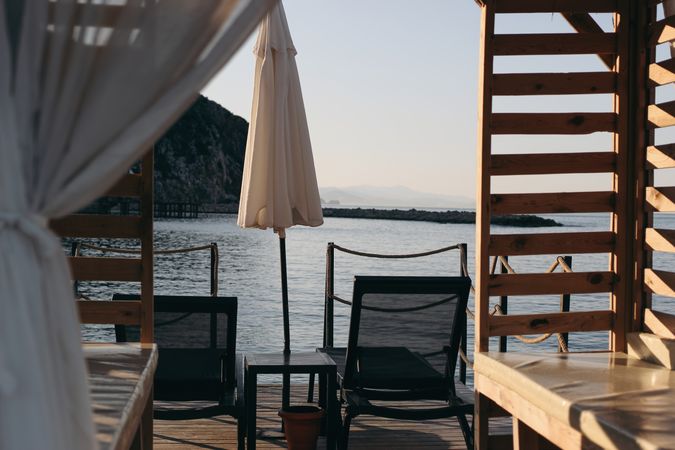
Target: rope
pixel 397 310
pixel 408 255
pixel 137 251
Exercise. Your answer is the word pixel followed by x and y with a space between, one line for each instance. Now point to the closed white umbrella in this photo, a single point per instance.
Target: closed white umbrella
pixel 279 186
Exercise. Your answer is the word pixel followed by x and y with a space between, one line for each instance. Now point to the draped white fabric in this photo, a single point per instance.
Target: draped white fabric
pixel 279 187
pixel 85 88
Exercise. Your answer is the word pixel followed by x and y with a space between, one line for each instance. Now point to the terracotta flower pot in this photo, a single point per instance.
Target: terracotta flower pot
pixel 302 425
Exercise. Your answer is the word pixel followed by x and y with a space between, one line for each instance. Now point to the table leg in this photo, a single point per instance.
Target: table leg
pixel 251 386
pixel 331 410
pixel 524 437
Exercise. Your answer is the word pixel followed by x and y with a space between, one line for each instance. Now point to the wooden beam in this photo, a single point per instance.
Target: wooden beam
pixel 553 123
pixel 661 115
pixel 554 44
pixel 97 226
pixel 555 6
pixel 525 324
pixel 660 240
pixel 661 32
pixel 110 312
pixel 660 199
pixel 554 83
pixel 660 323
pixel 128 186
pixel 662 73
pixel 550 163
pixel 551 283
pixel 552 203
pixel 551 243
pixel 147 251
pixel 582 22
pixel 660 282
pixel 105 269
pixel 661 156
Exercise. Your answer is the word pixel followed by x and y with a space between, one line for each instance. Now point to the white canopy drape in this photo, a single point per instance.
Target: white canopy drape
pixel 85 89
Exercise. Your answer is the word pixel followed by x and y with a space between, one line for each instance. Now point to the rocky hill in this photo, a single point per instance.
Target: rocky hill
pixel 200 159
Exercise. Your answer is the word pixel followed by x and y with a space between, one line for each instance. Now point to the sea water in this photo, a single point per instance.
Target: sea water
pixel 249 270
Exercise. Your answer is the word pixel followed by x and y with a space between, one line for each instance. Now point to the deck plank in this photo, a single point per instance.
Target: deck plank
pixel 366 432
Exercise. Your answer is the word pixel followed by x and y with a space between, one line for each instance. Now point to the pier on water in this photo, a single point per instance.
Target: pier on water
pixel 179 210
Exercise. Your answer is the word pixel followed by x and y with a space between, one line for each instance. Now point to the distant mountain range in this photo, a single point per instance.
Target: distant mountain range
pixel 393 196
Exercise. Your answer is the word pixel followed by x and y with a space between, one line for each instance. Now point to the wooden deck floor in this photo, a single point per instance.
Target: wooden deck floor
pixel 366 432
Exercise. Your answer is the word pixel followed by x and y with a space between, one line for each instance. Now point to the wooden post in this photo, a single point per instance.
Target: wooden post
pixel 214 269
pixel 329 292
pixel 565 306
pixel 463 264
pixel 147 254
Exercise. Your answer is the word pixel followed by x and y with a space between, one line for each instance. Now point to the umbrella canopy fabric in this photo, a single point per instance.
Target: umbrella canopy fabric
pixel 279 187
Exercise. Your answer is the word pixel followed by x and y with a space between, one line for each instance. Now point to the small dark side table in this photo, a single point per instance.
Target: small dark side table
pixel 287 364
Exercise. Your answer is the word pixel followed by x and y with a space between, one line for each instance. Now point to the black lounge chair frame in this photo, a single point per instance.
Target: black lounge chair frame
pixel 422 381
pixel 212 372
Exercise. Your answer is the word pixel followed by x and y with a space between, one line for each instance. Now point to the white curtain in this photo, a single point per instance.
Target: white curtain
pixel 85 89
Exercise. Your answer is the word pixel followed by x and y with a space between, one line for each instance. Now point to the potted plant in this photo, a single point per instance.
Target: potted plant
pixel 302 425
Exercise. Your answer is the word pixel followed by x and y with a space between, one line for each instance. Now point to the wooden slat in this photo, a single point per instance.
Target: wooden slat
pixel 128 186
pixel 661 115
pixel 660 282
pixel 97 226
pixel 662 73
pixel 552 203
pixel 660 323
pixel 551 323
pixel 110 312
pixel 554 6
pixel 660 240
pixel 105 269
pixel 660 199
pixel 554 83
pixel 551 243
pixel 551 283
pixel 661 31
pixel 585 23
pixel 661 156
pixel 553 123
pixel 554 44
pixel 549 163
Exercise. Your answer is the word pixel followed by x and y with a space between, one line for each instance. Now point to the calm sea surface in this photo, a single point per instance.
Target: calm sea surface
pixel 249 270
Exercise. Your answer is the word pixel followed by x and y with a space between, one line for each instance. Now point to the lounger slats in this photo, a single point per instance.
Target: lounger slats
pixel 553 83
pixel 550 283
pixel 551 243
pixel 660 240
pixel 551 323
pixel 552 203
pixel 554 6
pixel 552 123
pixel 550 163
pixel 662 73
pixel 130 185
pixel 98 226
pixel 661 156
pixel 660 282
pixel 661 115
pixel 106 312
pixel 661 32
pixel 554 44
pixel 105 269
pixel 660 199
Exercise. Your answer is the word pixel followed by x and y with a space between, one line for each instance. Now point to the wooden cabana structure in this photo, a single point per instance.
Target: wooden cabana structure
pixel 615 399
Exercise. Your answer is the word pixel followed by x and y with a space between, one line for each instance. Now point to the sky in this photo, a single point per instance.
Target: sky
pixel 390 90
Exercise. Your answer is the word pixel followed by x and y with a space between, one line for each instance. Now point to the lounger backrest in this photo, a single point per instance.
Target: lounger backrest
pixel 423 314
pixel 190 322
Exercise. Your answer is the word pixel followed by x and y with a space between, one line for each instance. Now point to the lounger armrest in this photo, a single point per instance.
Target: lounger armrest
pixel 239 378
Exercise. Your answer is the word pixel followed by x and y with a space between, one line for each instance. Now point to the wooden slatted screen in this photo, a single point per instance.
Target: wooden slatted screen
pixel 614 49
pixel 137 269
pixel 658 154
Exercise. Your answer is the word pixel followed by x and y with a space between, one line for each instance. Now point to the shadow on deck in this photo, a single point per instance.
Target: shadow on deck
pixel 366 432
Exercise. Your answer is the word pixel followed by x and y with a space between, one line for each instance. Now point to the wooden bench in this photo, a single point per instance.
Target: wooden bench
pixel 580 400
pixel 120 380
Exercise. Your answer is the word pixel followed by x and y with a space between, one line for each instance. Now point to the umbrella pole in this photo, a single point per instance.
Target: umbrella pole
pixel 286 382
